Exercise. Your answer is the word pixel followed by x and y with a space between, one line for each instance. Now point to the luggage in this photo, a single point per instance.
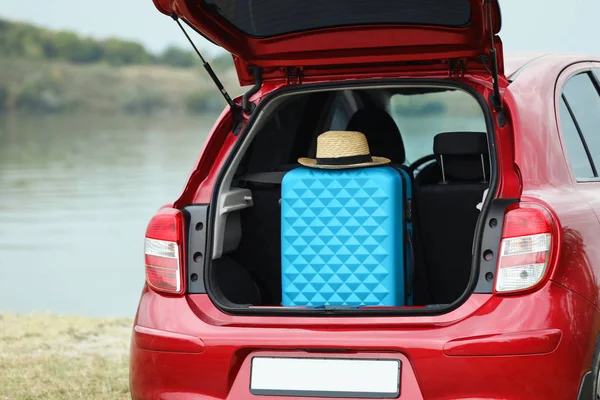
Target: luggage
pixel 344 236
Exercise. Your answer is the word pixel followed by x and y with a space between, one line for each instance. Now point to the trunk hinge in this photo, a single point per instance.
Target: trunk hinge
pixel 247 106
pixel 495 100
pixel 294 75
pixel 456 68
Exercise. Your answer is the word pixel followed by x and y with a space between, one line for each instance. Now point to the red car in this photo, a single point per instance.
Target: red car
pixel 506 213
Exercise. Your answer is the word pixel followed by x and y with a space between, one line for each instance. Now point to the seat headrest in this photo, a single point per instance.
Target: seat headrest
pixel 463 156
pixel 460 143
pixel 381 131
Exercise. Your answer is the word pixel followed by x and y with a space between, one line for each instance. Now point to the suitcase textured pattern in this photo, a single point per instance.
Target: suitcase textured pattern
pixel 343 237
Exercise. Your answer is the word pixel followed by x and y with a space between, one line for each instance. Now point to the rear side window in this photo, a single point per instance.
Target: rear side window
pixel 581 96
pixel 578 158
pixel 342 111
pixel 422 116
pixel 264 18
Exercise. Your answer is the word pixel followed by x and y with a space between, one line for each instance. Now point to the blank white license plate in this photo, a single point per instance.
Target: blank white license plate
pixel 325 377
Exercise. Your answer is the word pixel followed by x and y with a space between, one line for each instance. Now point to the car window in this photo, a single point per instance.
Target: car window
pixel 576 154
pixel 341 113
pixel 583 98
pixel 422 116
pixel 267 18
pixel 272 147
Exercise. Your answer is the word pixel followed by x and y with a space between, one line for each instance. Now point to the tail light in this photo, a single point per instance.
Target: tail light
pixel 525 250
pixel 164 251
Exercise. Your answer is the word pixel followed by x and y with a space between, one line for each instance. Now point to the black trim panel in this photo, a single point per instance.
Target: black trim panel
pixel 196 214
pixel 586 390
pixel 492 235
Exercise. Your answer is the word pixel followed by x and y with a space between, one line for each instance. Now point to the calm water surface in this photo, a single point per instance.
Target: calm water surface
pixel 75 197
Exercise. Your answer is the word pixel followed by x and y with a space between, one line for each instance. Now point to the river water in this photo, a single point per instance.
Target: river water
pixel 75 197
pixel 76 194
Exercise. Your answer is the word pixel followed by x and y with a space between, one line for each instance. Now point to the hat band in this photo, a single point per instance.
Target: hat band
pixel 359 159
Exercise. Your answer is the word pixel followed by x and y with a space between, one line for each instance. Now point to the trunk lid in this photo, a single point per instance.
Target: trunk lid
pixel 291 37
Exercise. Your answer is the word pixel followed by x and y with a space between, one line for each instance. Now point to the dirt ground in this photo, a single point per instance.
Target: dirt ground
pixel 51 357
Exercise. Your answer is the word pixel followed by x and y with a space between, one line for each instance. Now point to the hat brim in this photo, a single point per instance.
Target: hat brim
pixel 311 162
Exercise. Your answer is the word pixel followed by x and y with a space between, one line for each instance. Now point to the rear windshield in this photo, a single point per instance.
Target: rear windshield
pixel 264 18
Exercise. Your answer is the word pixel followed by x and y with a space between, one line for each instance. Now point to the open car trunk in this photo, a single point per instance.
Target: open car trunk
pixel 401 122
pixel 279 42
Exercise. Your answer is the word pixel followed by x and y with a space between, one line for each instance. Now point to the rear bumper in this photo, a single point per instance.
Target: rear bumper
pixel 525 347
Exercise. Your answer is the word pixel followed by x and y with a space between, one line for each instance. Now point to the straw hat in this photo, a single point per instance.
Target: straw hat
pixel 342 149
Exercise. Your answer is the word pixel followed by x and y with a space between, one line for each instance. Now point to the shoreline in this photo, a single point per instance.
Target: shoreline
pixel 54 87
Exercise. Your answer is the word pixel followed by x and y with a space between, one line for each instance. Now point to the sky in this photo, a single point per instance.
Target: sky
pixel 528 25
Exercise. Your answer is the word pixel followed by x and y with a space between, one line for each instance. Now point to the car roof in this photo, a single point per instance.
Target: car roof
pixel 545 63
pixel 514 60
pixel 533 75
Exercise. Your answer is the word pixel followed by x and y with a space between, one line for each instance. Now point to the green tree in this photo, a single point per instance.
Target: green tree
pixel 120 52
pixel 222 62
pixel 3 99
pixel 69 46
pixel 21 40
pixel 177 57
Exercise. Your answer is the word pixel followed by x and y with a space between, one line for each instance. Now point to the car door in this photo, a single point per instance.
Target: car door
pixel 578 117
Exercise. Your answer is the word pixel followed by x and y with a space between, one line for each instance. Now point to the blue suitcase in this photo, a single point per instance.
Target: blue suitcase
pixel 344 235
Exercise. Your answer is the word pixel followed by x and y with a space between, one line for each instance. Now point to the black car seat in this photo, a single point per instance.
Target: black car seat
pixel 431 173
pixel 381 131
pixel 447 213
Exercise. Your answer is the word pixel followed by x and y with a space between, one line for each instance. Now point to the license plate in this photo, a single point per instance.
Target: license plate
pixel 325 377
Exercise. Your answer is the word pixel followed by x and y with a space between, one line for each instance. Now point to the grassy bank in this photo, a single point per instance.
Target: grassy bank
pixel 53 87
pixel 51 357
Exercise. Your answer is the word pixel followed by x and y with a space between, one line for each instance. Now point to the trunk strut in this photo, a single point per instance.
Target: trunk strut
pixel 208 68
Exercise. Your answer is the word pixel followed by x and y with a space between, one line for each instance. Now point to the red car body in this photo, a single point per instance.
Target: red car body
pixel 534 345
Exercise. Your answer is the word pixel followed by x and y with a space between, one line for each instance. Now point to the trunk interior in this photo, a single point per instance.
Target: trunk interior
pixel 401 123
